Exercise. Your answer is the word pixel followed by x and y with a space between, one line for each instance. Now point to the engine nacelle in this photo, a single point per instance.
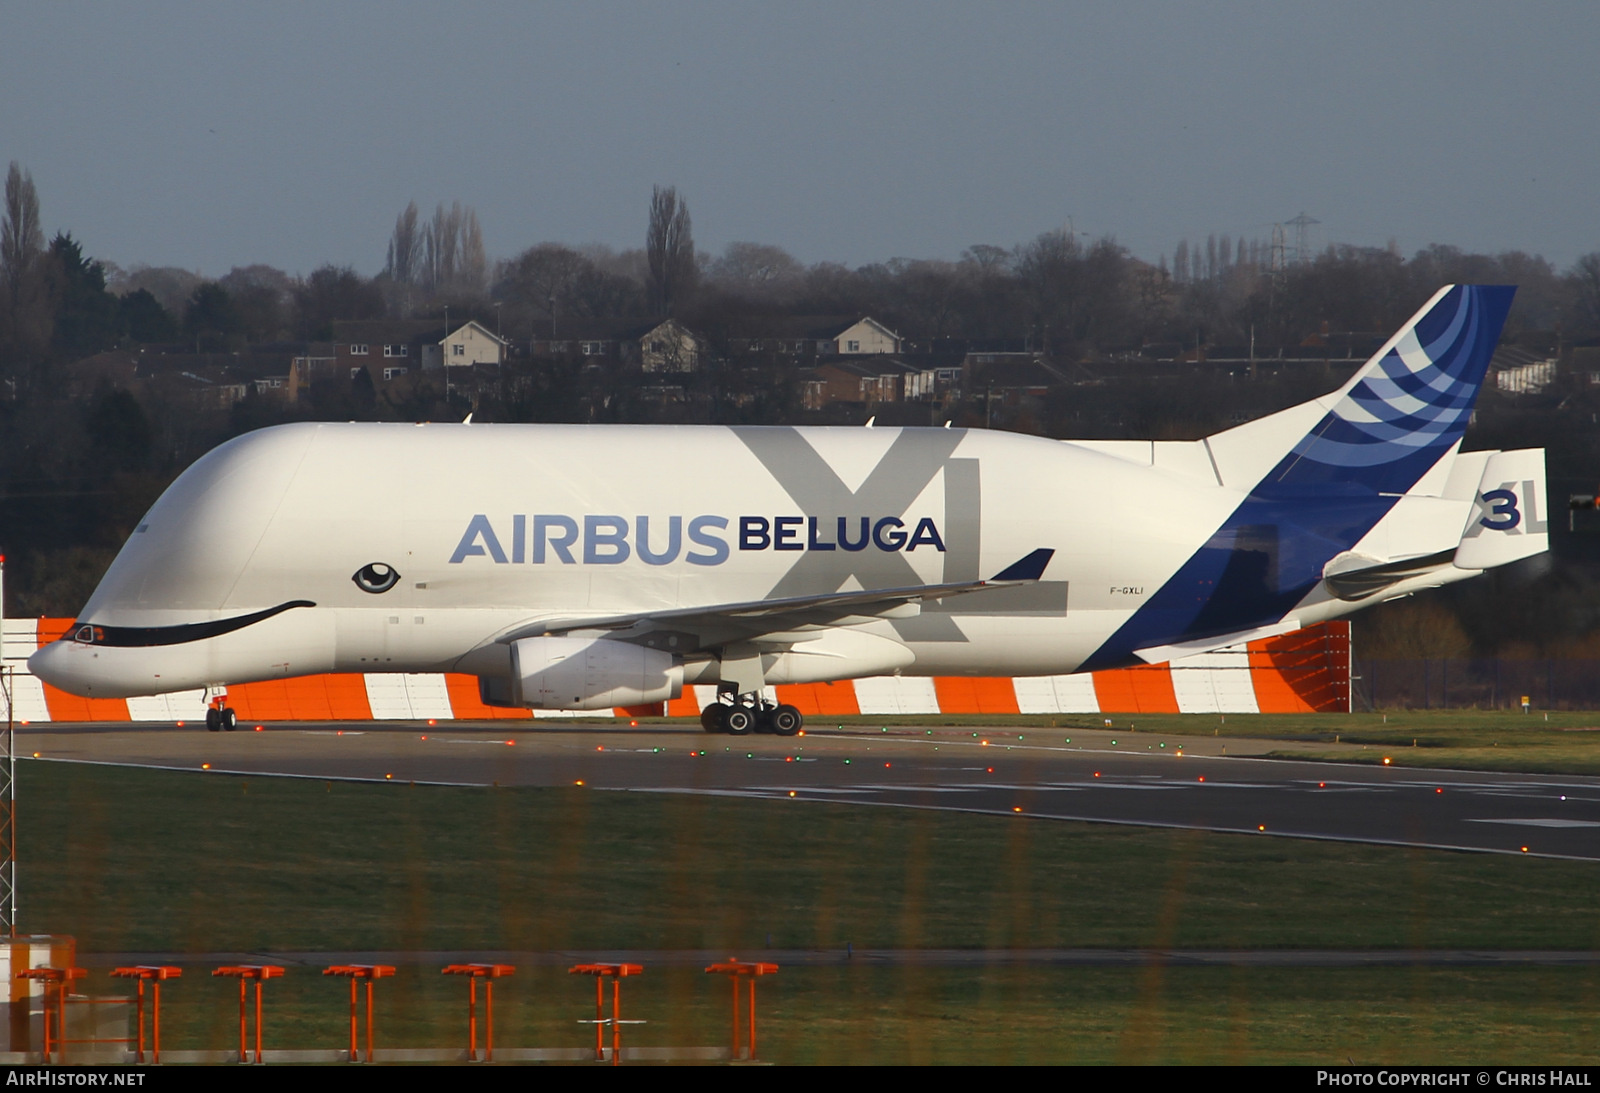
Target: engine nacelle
pixel 590 674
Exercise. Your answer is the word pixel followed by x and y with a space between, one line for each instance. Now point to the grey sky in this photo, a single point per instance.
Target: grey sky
pixel 209 136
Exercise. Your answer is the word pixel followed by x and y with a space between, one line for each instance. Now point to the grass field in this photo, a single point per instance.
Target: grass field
pixel 897 1015
pixel 1558 742
pixel 131 860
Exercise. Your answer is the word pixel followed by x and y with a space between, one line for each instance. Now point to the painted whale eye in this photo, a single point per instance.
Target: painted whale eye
pixel 376 577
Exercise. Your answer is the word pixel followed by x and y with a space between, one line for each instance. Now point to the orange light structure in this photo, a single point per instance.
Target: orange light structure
pixel 355 972
pixel 602 972
pixel 247 973
pixel 154 974
pixel 748 971
pixel 56 981
pixel 488 973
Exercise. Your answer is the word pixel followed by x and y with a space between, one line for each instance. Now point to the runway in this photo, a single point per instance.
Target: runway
pixel 1214 784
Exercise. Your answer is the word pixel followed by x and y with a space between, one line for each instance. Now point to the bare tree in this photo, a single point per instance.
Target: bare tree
pixel 441 243
pixel 755 270
pixel 453 260
pixel 1585 281
pixel 472 268
pixel 669 247
pixel 171 287
pixel 262 297
pixel 405 248
pixel 541 279
pixel 25 318
pixel 21 237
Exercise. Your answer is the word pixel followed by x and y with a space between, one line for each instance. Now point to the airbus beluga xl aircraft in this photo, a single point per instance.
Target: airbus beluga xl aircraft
pixel 583 567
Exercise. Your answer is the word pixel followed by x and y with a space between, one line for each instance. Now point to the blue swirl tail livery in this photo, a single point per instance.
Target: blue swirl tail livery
pixel 585 567
pixel 1364 480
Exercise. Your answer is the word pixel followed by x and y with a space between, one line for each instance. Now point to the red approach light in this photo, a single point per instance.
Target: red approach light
pixel 633 724
pixel 511 743
pixel 1322 785
pixel 1202 777
pixel 886 764
pixel 991 770
pixel 1439 790
pixel 432 721
pixel 1097 774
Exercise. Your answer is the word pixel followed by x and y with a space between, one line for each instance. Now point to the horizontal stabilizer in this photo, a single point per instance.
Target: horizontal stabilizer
pixel 1351 581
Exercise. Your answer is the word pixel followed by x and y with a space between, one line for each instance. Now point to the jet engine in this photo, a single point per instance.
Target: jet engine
pixel 590 674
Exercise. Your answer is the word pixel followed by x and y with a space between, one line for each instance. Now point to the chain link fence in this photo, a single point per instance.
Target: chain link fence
pixel 1490 683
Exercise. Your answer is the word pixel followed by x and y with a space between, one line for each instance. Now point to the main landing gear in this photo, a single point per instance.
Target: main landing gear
pixel 738 715
pixel 220 717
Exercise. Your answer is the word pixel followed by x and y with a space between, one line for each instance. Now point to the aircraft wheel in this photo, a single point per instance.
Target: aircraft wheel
pixel 738 721
pixel 711 718
pixel 213 720
pixel 787 721
pixel 229 719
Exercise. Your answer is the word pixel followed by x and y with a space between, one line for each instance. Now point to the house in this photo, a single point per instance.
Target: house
pixel 1009 376
pixel 471 343
pixel 1585 362
pixel 873 379
pixel 1520 372
pixel 866 336
pixel 654 346
pixel 391 348
pixel 386 348
pixel 317 363
pixel 806 336
pixel 669 347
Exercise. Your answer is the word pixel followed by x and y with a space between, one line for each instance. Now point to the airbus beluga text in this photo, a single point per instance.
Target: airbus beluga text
pixel 585 567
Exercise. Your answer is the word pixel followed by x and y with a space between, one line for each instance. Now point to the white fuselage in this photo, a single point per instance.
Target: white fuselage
pixel 291 513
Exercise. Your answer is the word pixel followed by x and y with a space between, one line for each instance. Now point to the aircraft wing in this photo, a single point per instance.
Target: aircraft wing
pixel 720 623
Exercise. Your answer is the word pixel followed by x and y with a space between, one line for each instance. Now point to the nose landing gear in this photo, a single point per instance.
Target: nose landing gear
pixel 220 716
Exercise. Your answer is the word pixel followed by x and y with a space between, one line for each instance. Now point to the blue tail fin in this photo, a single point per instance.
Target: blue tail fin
pixel 1374 440
pixel 1407 406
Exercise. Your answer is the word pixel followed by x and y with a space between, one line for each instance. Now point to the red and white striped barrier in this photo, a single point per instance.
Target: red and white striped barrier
pixel 1307 671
